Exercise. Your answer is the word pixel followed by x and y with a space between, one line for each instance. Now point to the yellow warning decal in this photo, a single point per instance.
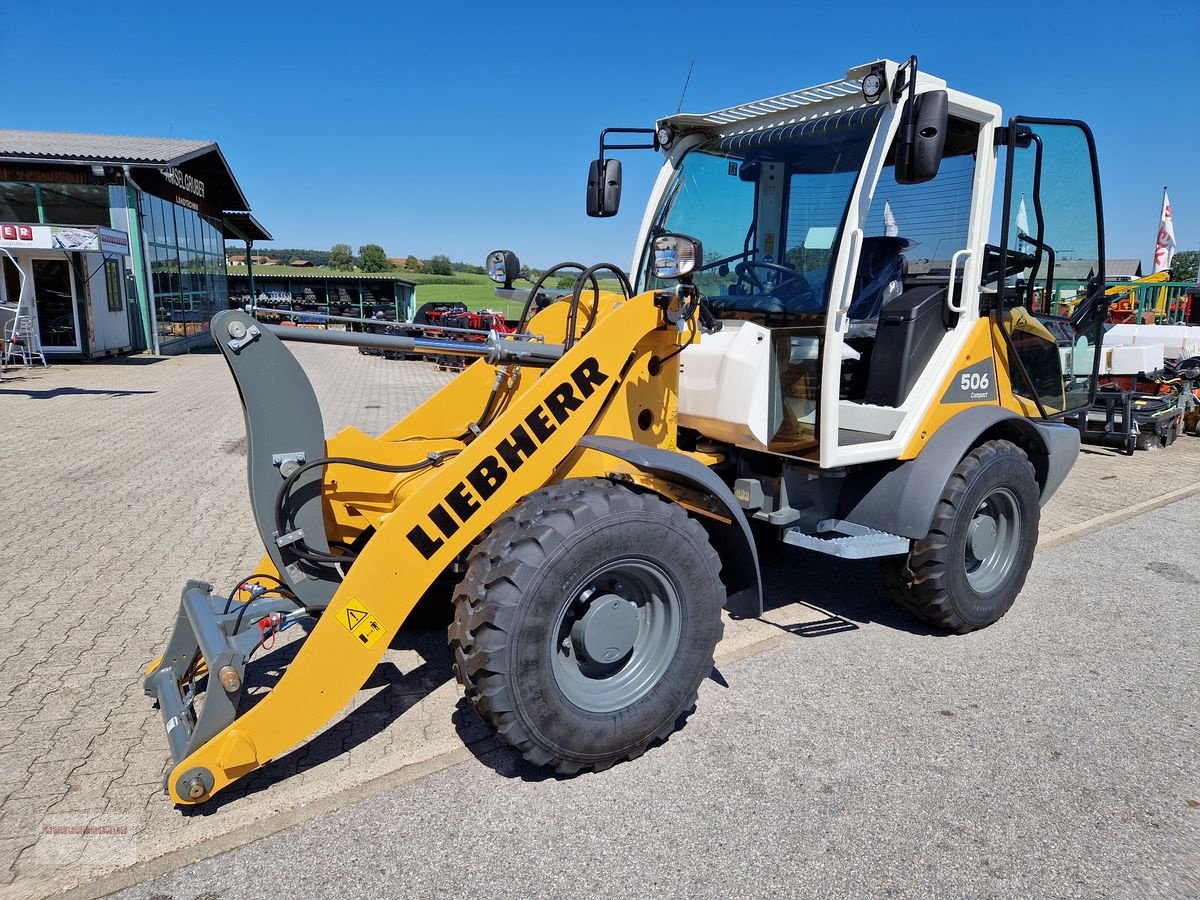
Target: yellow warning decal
pixel 360 623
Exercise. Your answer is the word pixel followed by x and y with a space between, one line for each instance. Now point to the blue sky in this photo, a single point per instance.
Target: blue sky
pixel 458 128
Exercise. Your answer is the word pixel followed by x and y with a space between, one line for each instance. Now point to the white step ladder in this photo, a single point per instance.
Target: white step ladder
pixel 21 339
pixel 22 342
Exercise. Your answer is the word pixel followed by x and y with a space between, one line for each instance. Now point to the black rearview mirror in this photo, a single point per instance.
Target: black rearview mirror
pixel 922 138
pixel 604 188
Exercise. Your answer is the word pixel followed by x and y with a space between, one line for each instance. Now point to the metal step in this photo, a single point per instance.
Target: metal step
pixel 847 540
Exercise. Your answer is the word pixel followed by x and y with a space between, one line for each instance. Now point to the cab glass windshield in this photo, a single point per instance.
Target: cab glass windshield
pixel 768 208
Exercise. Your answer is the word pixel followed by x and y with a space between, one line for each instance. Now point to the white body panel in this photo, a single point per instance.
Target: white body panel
pixel 725 385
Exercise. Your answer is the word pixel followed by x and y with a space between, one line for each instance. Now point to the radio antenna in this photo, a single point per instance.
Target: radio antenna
pixel 686 82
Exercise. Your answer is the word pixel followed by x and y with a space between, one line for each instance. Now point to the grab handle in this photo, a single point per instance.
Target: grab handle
pixel 950 304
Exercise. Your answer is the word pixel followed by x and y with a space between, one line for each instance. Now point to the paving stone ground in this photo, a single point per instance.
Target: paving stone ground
pixel 123 479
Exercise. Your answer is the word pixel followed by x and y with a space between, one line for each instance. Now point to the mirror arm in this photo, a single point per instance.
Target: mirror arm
pixel 604 145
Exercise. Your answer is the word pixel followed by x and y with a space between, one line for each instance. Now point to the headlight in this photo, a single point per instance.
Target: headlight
pixel 676 256
pixel 502 267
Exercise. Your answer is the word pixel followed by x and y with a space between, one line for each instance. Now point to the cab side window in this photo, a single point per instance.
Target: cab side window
pixel 912 230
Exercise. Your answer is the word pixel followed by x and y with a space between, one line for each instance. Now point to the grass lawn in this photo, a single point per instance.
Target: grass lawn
pixel 479 295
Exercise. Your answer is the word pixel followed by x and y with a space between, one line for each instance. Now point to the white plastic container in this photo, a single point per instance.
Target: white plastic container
pixel 1177 341
pixel 1132 360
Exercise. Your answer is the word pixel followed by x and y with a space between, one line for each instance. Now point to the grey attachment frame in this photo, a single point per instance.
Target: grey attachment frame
pixel 201 627
pixel 283 426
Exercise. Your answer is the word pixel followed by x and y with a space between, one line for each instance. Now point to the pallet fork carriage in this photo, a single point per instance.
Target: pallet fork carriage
pixel 590 480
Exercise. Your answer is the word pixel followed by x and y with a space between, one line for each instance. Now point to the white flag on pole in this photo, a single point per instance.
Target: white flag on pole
pixel 1164 247
pixel 1022 218
pixel 890 228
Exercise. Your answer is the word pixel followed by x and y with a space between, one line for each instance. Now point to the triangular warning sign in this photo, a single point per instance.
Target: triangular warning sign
pixel 354 616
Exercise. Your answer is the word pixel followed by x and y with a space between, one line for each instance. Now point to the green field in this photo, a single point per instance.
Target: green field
pixel 479 293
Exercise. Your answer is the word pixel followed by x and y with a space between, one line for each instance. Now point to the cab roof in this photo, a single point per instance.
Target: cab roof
pixel 841 96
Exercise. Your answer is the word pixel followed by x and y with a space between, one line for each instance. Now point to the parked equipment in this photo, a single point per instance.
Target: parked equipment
pixel 1131 419
pixel 473 328
pixel 781 359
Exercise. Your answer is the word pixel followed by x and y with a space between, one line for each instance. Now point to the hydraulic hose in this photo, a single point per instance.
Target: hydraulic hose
pixel 529 301
pixel 299 548
pixel 590 273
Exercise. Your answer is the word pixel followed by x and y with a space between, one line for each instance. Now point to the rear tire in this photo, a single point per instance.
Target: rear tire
pixel 586 623
pixel 966 573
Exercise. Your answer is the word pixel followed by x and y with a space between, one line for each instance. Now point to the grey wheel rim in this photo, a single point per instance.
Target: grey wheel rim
pixel 993 537
pixel 616 635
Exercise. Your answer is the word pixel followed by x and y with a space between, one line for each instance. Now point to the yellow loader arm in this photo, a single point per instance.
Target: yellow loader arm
pixel 421 493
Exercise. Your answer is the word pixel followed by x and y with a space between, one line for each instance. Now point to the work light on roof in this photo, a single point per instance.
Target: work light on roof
pixel 873 85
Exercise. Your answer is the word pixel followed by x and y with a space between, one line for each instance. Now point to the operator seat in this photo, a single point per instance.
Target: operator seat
pixel 882 268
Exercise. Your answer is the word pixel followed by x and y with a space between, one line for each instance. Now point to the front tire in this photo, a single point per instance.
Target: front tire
pixel 966 573
pixel 586 622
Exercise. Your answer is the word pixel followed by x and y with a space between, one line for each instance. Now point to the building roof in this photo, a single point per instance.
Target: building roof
pixel 203 159
pixel 1123 268
pixel 317 274
pixel 71 146
pixel 243 225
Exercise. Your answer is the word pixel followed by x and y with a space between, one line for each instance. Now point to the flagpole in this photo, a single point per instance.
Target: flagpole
pixel 1154 255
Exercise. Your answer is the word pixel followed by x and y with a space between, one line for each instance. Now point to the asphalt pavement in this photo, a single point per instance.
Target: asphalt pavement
pixel 1051 755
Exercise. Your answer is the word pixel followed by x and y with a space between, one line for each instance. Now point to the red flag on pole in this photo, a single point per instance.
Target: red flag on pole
pixel 1164 247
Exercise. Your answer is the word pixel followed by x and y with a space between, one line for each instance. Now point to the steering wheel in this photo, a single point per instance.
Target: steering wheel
pixel 793 288
pixel 746 271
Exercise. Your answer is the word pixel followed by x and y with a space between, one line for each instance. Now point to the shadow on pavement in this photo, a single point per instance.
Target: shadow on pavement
pixel 846 594
pixel 130 360
pixel 849 592
pixel 69 392
pixel 396 693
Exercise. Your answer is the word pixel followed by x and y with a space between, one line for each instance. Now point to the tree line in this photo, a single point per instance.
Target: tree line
pixel 369 258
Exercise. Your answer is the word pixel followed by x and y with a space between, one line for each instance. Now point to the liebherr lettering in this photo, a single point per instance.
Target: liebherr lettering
pixel 508 455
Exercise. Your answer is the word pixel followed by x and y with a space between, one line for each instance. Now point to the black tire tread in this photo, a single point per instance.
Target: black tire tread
pixel 501 566
pixel 917 583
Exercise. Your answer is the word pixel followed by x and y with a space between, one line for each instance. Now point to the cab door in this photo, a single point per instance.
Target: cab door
pixel 1048 273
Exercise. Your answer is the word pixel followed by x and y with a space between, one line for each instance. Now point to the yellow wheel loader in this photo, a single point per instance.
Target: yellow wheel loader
pixel 820 344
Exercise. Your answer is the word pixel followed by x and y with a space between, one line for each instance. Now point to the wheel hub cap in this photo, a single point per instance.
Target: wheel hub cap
pixel 606 632
pixel 616 635
pixel 983 536
pixel 993 540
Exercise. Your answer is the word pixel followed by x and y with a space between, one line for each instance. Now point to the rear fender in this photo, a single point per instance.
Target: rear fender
pixel 734 542
pixel 900 497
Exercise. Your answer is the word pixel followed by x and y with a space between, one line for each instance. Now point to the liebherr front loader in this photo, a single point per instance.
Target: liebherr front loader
pixel 819 346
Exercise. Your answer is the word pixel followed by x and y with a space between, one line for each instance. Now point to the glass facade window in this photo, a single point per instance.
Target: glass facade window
pixel 18 202
pixel 187 267
pixel 55 298
pixel 75 204
pixel 12 280
pixel 113 275
pixel 55 204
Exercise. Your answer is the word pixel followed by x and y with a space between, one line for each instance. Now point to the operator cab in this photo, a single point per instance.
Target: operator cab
pixel 847 281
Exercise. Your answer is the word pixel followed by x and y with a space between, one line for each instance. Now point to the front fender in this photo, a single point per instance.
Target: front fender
pixel 734 542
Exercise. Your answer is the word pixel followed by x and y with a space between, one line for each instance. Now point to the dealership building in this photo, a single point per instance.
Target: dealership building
pixel 112 243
